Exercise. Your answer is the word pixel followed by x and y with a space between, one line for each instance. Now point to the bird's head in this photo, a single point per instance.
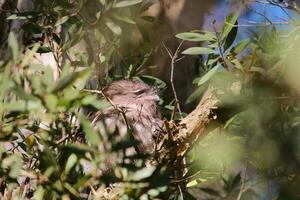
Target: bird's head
pixel 126 92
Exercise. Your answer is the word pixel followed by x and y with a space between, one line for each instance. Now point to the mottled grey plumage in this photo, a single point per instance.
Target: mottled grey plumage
pixel 139 101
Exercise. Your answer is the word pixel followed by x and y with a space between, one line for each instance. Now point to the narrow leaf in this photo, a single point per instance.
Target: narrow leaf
pixel 208 75
pixel 241 46
pixel 127 3
pixel 72 160
pixel 196 37
pixel 198 51
pixel 229 24
pixel 114 28
pixel 91 135
pixel 13 44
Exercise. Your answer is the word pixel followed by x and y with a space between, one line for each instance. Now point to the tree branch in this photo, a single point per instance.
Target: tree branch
pixel 190 129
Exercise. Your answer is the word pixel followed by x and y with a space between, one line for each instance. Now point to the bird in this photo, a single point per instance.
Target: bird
pixel 134 105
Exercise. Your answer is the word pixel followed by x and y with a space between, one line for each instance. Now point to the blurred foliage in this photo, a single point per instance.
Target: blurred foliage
pixel 50 150
pixel 254 147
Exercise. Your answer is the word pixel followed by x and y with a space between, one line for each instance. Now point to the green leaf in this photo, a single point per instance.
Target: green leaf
pixel 196 37
pixel 213 61
pixel 124 18
pixel 44 49
pixel 208 75
pixel 39 193
pixel 72 160
pixel 114 28
pixel 229 31
pixel 91 135
pixel 32 28
pixel 260 70
pixel 79 148
pixel 93 101
pixel 71 189
pixel 14 163
pixel 4 81
pixel 230 23
pixel 68 80
pixel 241 46
pixel 19 91
pixel 127 3
pixel 103 2
pixel 232 119
pixel 151 80
pixel 81 181
pixel 21 106
pixel 237 64
pixel 14 46
pixel 143 173
pixel 24 15
pixel 51 102
pixel 15 16
pixel 198 51
pixel 62 20
pixel 195 95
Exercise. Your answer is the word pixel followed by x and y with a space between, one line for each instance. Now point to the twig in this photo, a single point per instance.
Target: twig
pixel 220 47
pixel 187 178
pixel 258 24
pixel 242 189
pixel 251 9
pixel 174 58
pixel 119 109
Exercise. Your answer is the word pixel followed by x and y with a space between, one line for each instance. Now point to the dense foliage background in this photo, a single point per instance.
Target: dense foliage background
pixel 52 51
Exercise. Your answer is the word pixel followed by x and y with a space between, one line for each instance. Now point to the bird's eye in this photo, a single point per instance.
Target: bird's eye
pixel 139 92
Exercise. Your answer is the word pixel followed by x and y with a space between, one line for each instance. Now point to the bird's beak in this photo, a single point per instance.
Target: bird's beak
pixel 156 98
pixel 152 98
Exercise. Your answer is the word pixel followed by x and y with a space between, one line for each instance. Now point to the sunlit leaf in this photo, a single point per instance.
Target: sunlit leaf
pixel 230 23
pixel 39 193
pixel 241 46
pixel 14 46
pixel 126 3
pixel 114 28
pixel 72 160
pixel 14 163
pixel 62 20
pixel 229 31
pixel 198 51
pixel 143 173
pixel 208 75
pixel 196 37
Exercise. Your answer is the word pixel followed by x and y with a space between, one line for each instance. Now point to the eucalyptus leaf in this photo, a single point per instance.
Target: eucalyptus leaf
pixel 72 160
pixel 14 46
pixel 91 135
pixel 143 173
pixel 241 46
pixel 196 37
pixel 208 75
pixel 195 95
pixel 198 51
pixel 69 80
pixel 230 23
pixel 114 27
pixel 127 3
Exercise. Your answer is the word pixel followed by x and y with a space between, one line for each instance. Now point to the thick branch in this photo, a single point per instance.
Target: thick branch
pixel 190 129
